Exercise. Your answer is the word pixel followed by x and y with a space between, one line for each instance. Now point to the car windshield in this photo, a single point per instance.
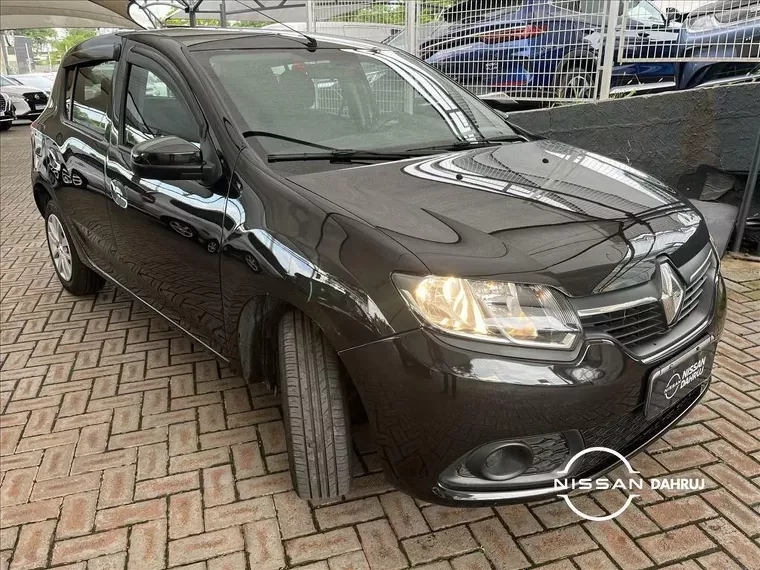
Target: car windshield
pixel 7 81
pixel 362 99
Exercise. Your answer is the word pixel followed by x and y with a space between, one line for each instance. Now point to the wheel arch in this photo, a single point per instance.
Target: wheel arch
pixel 42 195
pixel 585 57
pixel 256 337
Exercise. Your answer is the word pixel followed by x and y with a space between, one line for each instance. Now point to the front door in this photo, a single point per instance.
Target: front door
pixel 167 232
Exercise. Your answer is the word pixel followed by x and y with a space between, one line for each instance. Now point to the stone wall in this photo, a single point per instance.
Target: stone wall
pixel 677 136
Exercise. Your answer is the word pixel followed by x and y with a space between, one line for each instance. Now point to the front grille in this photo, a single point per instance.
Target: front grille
pixel 693 292
pixel 3 103
pixel 628 433
pixel 631 326
pixel 636 325
pixel 36 98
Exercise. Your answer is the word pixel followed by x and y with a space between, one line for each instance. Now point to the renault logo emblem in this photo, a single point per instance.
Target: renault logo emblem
pixel 671 293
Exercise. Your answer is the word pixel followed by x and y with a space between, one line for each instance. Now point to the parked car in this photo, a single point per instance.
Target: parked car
pixel 495 302
pixel 7 113
pixel 42 81
pixel 28 102
pixel 545 48
pixel 728 33
pixel 551 48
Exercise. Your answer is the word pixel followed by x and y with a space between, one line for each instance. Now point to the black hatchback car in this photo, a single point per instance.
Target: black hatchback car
pixel 343 222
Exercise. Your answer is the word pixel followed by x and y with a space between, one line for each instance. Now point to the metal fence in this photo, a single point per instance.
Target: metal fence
pixel 556 50
pixel 532 50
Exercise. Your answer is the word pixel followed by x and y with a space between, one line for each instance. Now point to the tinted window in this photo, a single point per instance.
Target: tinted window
pixel 92 95
pixel 153 109
pixel 70 74
pixel 354 99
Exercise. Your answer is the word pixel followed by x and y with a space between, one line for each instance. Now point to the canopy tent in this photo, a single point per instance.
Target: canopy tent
pixel 22 14
pixel 251 10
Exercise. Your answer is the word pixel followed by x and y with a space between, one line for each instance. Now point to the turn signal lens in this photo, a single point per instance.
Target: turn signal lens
pixel 510 34
pixel 510 313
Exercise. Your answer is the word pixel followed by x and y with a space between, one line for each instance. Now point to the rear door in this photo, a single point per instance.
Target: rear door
pixel 168 232
pixel 76 156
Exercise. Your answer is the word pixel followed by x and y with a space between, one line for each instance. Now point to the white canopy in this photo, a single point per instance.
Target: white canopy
pixel 262 10
pixel 21 14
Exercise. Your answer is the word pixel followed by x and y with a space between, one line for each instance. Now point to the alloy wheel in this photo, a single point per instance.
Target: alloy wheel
pixel 60 249
pixel 182 229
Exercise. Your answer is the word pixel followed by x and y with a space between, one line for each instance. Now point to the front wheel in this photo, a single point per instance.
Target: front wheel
pixel 74 275
pixel 5 126
pixel 315 410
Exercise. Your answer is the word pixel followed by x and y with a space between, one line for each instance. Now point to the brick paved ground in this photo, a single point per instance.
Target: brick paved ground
pixel 125 445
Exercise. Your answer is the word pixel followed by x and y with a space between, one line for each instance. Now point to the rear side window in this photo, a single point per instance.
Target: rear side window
pixel 70 74
pixel 92 95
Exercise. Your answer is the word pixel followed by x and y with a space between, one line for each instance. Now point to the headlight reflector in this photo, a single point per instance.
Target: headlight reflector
pixel 496 311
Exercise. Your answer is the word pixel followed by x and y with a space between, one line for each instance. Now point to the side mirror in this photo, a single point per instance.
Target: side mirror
pixel 168 158
pixel 673 15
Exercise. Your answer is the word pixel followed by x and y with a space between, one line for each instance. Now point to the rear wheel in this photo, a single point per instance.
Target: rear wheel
pixel 576 82
pixel 74 275
pixel 4 126
pixel 315 409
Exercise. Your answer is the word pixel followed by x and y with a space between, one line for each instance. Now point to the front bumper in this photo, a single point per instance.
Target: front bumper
pixel 431 403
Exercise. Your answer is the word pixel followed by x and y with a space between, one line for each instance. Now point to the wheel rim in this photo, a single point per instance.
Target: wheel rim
pixel 60 249
pixel 181 229
pixel 579 87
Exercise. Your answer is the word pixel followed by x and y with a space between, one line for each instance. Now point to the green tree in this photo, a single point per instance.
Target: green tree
pixel 41 37
pixel 73 37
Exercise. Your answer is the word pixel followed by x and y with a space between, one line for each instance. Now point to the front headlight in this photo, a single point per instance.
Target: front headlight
pixel 703 23
pixel 509 313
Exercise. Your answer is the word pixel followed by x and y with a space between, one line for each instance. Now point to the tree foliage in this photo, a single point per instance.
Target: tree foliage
pixel 72 37
pixel 41 37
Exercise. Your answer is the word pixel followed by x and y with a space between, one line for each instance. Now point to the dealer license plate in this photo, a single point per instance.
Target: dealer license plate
pixel 672 381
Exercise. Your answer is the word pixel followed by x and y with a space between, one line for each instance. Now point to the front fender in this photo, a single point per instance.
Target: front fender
pixel 291 249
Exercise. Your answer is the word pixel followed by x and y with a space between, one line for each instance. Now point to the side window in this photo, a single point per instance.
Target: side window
pixel 92 95
pixel 70 73
pixel 153 109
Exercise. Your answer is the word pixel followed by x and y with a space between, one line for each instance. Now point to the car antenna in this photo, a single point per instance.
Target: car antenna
pixel 311 42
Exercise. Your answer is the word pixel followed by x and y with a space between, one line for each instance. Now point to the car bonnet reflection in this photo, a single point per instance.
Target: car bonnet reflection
pixel 517 202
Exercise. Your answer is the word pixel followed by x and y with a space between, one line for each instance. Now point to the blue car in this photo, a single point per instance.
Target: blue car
pixel 546 48
pixel 727 30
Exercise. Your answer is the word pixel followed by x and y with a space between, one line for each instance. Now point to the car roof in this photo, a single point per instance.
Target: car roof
pixel 209 38
pixel 108 46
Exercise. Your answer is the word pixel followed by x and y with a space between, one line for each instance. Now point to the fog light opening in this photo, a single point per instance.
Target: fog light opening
pixel 505 462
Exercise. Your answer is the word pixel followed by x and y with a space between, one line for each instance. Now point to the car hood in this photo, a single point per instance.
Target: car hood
pixel 539 211
pixel 19 89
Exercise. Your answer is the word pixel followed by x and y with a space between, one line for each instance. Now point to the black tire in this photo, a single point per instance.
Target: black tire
pixel 83 280
pixel 315 408
pixel 576 82
pixel 4 126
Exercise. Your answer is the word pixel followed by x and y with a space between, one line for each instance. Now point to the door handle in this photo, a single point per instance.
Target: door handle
pixel 117 193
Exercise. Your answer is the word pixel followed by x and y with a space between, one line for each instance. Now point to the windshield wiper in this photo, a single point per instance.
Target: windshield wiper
pixel 247 134
pixel 341 155
pixel 463 145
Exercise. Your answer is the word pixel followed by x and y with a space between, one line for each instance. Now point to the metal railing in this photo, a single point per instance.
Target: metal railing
pixel 556 50
pixel 541 51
